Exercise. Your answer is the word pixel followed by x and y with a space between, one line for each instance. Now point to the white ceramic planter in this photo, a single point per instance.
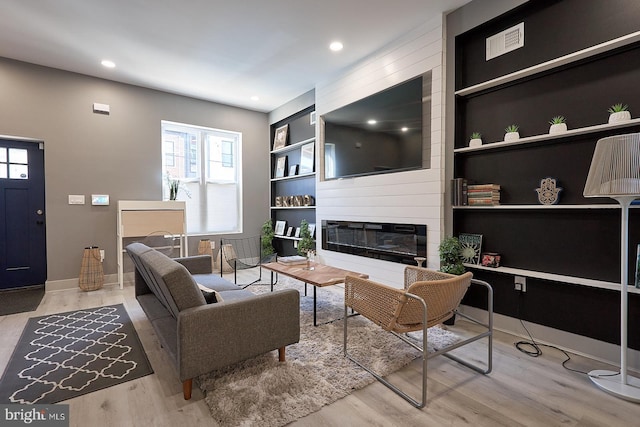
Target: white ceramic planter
pixel 475 142
pixel 620 116
pixel 511 136
pixel 558 128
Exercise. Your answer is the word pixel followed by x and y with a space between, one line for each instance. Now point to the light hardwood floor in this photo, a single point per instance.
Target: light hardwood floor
pixel 521 390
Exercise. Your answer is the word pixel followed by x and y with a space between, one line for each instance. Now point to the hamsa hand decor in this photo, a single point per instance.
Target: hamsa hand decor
pixel 548 193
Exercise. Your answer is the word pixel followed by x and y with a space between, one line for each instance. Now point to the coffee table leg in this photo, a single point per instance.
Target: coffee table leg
pixel 314 305
pixel 272 281
pixel 305 289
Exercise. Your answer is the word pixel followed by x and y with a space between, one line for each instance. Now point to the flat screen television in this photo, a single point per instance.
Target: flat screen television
pixel 382 133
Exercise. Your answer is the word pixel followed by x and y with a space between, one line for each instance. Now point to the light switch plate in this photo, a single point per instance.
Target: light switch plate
pixel 76 199
pixel 100 199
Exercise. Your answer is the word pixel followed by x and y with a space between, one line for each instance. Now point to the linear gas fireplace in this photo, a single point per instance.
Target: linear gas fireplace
pixel 390 242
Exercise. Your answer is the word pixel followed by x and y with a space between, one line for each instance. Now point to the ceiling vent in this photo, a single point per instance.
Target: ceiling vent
pixel 505 41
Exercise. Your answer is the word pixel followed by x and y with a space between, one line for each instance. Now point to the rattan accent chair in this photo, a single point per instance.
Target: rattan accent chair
pixel 429 298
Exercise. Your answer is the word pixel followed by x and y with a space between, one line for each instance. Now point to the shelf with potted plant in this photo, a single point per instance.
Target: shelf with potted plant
pixel 550 137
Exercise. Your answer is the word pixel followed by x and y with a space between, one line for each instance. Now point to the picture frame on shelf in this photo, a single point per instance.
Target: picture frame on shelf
pixel 280 137
pixel 307 158
pixel 297 233
pixel 293 170
pixel 281 166
pixel 279 228
pixel 312 229
pixel 471 247
pixel 289 231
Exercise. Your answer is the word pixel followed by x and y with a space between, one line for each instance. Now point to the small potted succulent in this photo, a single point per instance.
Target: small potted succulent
pixel 619 113
pixel 511 133
pixel 475 140
pixel 558 125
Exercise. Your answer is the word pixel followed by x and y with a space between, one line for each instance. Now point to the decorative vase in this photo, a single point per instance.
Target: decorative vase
pixel 204 248
pixel 475 142
pixel 620 116
pixel 558 128
pixel 511 136
pixel 91 273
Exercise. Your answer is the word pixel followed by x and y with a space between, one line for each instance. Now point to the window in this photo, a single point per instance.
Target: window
pixel 14 163
pixel 207 165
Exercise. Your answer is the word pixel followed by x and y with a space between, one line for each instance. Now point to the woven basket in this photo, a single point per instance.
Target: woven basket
pixel 204 248
pixel 91 273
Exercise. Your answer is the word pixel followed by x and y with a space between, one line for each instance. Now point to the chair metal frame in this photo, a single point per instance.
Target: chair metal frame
pixel 444 351
pixel 233 261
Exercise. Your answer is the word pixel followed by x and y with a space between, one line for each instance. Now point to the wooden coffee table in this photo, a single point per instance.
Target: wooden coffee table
pixel 319 275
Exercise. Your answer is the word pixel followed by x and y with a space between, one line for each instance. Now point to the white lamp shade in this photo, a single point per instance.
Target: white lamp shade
pixel 615 167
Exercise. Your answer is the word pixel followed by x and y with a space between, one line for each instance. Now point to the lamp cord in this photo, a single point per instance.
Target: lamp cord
pixel 532 348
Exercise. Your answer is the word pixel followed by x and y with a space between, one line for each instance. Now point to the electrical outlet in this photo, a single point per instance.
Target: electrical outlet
pixel 520 283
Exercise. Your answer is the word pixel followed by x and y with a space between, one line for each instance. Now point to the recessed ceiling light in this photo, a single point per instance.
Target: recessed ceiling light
pixel 404 129
pixel 372 122
pixel 336 46
pixel 108 64
pixel 255 98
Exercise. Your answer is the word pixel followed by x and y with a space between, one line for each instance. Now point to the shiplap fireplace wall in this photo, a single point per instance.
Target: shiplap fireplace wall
pixel 413 197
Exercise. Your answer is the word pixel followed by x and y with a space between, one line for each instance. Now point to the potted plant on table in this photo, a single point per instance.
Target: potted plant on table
pixel 619 113
pixel 558 125
pixel 306 245
pixel 511 133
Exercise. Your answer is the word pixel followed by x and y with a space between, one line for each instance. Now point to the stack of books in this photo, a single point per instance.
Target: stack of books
pixel 458 192
pixel 483 195
pixel 292 260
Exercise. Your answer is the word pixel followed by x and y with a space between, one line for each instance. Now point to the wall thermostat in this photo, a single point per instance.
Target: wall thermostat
pixel 100 199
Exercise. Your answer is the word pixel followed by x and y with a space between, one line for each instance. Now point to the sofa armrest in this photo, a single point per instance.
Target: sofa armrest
pixel 217 335
pixel 198 264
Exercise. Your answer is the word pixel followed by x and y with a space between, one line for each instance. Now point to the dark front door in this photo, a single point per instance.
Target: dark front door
pixel 22 218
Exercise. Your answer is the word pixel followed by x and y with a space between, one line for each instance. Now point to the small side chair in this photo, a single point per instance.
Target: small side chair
pixel 429 298
pixel 241 254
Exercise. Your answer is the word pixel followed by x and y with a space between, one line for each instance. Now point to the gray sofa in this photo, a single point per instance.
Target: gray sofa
pixel 202 337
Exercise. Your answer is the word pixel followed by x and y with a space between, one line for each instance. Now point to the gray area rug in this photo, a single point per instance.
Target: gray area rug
pixel 262 391
pixel 65 355
pixel 20 300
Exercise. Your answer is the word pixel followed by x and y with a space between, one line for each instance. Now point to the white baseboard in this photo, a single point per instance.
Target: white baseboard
pixel 66 284
pixel 573 343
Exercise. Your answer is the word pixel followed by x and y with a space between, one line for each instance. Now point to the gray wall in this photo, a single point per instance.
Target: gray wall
pixel 116 154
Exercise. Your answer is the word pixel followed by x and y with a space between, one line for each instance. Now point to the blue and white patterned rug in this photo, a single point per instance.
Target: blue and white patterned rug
pixel 65 355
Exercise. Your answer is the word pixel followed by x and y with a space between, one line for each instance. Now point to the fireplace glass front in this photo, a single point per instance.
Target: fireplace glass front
pixel 390 242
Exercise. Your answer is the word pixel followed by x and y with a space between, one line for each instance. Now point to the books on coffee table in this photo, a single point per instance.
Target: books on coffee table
pixel 292 260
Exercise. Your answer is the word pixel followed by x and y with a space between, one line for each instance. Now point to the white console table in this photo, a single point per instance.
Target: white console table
pixel 145 218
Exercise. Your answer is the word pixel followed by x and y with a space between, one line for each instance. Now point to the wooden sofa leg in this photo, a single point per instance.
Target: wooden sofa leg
pixel 186 388
pixel 281 355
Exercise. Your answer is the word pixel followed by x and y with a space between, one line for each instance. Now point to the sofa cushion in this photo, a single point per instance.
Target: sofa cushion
pixel 228 296
pixel 173 281
pixel 215 282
